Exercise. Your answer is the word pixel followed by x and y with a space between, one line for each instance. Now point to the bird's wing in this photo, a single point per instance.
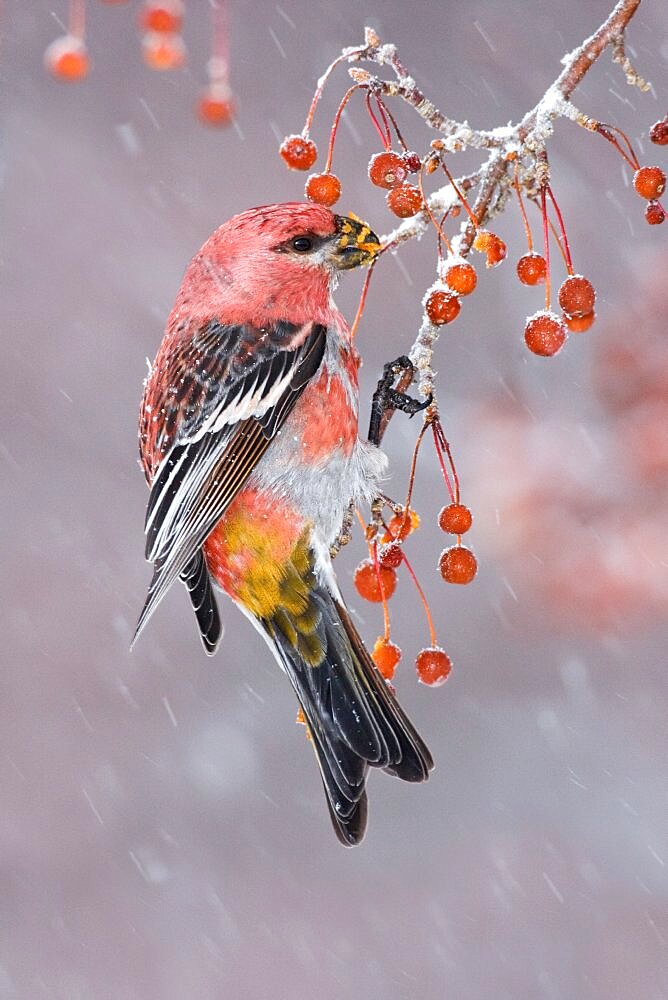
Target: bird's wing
pixel 222 399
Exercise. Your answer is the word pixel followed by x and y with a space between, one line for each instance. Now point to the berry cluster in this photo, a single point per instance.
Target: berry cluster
pixel 649 182
pixel 520 162
pixel 388 169
pixel 517 167
pixel 376 577
pixel 163 49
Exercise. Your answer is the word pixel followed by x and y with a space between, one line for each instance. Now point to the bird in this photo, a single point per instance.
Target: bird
pixel 248 438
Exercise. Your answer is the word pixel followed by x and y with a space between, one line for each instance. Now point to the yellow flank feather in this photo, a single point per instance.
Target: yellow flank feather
pixel 278 588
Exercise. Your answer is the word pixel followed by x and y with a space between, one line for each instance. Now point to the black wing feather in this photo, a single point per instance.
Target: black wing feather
pixel 206 468
pixel 198 582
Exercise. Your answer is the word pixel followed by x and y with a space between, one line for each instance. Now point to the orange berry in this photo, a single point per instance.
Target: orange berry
pixel 215 106
pixel 165 17
pixel 390 555
pixel 66 58
pixel 405 201
pixel 366 581
pixel 386 656
pixel 163 52
pixel 442 307
pixel 654 213
pixel 456 519
pixel 401 525
pixel 323 189
pixel 649 182
pixel 457 564
pixel 433 666
pixel 577 296
pixel 659 132
pixel 298 152
pixel 387 170
pixel 491 245
pixel 461 278
pixel 578 324
pixel 531 269
pixel 544 334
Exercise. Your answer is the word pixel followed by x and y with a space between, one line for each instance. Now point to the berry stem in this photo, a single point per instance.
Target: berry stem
pixel 557 240
pixel 335 124
pixel 442 445
pixel 386 111
pixel 77 19
pixel 383 130
pixel 425 604
pixel 546 244
pixel 566 250
pixel 461 196
pixel 411 476
pixel 527 227
pixel 439 226
pixel 607 131
pixel 220 40
pixel 344 57
pixel 373 551
pixel 362 302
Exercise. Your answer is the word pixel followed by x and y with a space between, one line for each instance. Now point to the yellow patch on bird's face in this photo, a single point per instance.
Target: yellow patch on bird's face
pixel 357 234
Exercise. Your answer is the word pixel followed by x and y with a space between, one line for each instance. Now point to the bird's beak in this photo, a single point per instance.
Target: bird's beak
pixel 353 243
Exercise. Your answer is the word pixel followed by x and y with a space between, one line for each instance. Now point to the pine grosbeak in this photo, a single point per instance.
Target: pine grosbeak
pixel 249 442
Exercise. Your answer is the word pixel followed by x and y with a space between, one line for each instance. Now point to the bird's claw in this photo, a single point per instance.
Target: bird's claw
pixel 387 398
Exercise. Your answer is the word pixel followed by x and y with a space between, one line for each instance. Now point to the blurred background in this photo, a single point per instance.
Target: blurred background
pixel 163 833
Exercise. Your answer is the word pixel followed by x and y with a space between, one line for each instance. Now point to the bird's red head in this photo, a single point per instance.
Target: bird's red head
pixel 272 262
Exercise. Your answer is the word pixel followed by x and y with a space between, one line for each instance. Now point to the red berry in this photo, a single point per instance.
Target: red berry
pixel 323 189
pixel 401 525
pixel 457 564
pixel 577 296
pixel 461 278
pixel 387 170
pixel 649 182
pixel 578 324
pixel 390 555
pixel 442 307
pixel 531 269
pixel 366 581
pixel 386 655
pixel 405 201
pixel 165 17
pixel 545 334
pixel 412 162
pixel 433 666
pixel 654 213
pixel 491 245
pixel 163 52
pixel 298 152
pixel 215 106
pixel 67 59
pixel 456 519
pixel 659 132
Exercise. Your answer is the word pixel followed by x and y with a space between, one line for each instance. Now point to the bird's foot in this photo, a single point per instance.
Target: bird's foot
pixel 387 398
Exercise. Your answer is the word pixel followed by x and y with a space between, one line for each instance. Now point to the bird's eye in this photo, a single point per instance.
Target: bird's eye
pixel 302 244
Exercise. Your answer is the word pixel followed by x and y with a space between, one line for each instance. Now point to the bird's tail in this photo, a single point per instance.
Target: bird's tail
pixel 354 720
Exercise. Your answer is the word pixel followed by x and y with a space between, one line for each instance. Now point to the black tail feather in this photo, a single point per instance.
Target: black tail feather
pixel 353 718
